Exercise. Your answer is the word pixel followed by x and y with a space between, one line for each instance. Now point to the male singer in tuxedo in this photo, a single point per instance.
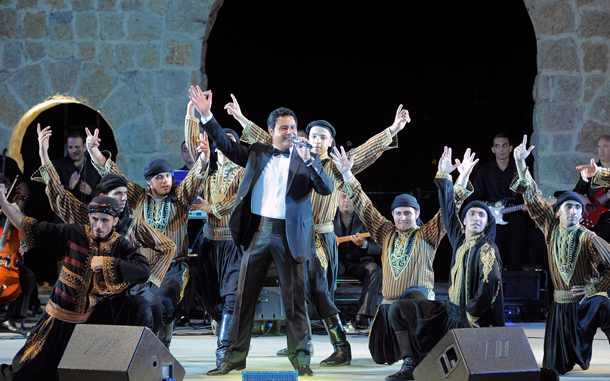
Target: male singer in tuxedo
pixel 272 221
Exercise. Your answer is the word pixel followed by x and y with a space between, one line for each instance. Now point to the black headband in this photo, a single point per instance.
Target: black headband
pixel 104 204
pixel 156 166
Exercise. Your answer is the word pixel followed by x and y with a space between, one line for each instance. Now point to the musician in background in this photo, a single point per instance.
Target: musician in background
pixel 492 185
pixel 597 214
pixel 356 258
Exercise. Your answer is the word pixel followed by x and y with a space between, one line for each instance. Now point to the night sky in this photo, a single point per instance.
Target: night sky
pixel 464 70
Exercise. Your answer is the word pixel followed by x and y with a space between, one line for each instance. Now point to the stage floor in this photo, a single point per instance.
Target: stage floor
pixel 194 348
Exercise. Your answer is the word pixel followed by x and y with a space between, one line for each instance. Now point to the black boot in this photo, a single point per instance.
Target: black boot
pixel 405 372
pixel 343 352
pixel 284 352
pixel 223 338
pixel 547 374
pixel 167 337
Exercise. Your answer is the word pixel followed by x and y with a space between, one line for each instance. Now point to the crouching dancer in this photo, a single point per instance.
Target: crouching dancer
pixel 98 267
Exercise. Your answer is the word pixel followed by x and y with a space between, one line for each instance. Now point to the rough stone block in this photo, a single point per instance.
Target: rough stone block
pixel 158 6
pixel 12 55
pixel 86 51
pixel 594 23
pixel 553 18
pixel 172 83
pixel 132 5
pixel 139 136
pixel 158 111
pixel 144 26
pixel 542 140
pixel 122 106
pixel 125 56
pixel 96 84
pixel 558 55
pixel 7 3
pixel 593 82
pixel 587 138
pixel 559 169
pixel 61 50
pixel 86 25
pixel 11 110
pixel 61 17
pixel 35 25
pixel 106 5
pixel 566 88
pixel 63 76
pixel 176 109
pixel 148 56
pixel 595 56
pixel 542 88
pixel 112 26
pixel 171 140
pixel 563 143
pixel 178 52
pixel 600 109
pixel 35 50
pixel 191 22
pixel 61 32
pixel 584 3
pixel 29 84
pixel 8 23
pixel 106 54
pixel 557 116
pixel 82 5
pixel 142 83
pixel 24 4
pixel 56 4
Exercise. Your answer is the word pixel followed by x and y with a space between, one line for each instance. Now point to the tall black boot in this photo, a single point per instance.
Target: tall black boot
pixel 223 338
pixel 343 352
pixel 408 364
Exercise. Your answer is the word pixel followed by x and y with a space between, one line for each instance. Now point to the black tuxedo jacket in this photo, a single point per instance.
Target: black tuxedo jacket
pixel 301 180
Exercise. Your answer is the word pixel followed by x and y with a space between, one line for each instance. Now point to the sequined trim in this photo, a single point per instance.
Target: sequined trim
pixel 321 252
pixel 156 214
pixel 27 230
pixel 443 175
pixel 565 296
pixel 217 233
pixel 325 227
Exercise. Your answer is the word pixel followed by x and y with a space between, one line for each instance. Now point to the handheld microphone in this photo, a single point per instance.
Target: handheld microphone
pixel 296 142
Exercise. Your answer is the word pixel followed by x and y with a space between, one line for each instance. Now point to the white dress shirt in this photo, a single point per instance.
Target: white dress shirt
pixel 269 192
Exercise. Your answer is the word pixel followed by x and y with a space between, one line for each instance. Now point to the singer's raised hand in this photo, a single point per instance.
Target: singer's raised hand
pixel 302 149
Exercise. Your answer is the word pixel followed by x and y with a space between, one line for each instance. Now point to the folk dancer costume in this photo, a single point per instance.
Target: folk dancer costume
pixel 135 230
pixel 80 295
pixel 219 256
pixel 168 216
pixel 574 255
pixel 475 287
pixel 406 260
pixel 321 280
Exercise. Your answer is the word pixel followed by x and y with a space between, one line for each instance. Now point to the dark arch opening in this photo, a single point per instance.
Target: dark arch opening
pixel 62 118
pixel 464 70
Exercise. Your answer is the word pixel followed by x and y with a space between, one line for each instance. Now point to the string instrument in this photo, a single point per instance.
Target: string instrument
pixel 10 288
pixel 499 209
pixel 596 208
pixel 347 237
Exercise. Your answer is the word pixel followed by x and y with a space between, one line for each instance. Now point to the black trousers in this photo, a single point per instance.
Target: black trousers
pixel 18 308
pixel 371 276
pixel 320 283
pixel 269 244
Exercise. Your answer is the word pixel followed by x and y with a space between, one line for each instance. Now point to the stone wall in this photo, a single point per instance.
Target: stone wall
pixel 572 88
pixel 132 60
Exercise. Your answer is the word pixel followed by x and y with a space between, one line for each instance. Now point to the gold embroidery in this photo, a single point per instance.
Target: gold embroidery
pixel 487 258
pixel 36 340
pixel 185 281
pixel 566 248
pixel 401 250
pixel 221 181
pixel 321 253
pixel 70 278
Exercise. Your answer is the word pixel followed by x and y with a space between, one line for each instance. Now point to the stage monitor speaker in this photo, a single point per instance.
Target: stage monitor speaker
pixel 118 353
pixel 498 354
pixel 521 284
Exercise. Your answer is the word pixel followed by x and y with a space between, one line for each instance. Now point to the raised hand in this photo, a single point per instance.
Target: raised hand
pixel 190 109
pixel 202 100
pixel 43 143
pixel 303 152
pixel 468 163
pixel 74 179
pixel 342 162
pixel 587 171
pixel 203 147
pixel 400 120
pixel 93 140
pixel 445 162
pixel 522 152
pixel 234 109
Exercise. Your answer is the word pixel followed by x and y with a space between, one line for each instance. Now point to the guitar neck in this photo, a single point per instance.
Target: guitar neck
pixel 511 209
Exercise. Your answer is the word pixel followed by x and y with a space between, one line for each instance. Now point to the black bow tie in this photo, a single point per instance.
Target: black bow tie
pixel 277 152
